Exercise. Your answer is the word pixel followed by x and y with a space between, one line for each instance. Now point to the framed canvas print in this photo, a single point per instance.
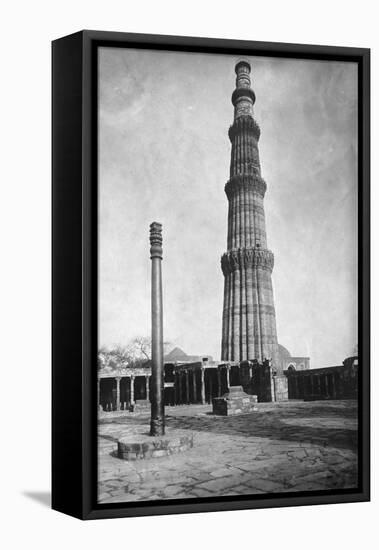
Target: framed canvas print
pixel 210 274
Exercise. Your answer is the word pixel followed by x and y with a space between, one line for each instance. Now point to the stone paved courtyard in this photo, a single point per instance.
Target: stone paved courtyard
pixel 293 446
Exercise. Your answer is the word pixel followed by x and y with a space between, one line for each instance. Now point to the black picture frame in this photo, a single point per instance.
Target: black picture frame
pixel 74 272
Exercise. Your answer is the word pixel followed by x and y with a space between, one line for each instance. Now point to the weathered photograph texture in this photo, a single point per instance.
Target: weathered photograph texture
pixel 227 266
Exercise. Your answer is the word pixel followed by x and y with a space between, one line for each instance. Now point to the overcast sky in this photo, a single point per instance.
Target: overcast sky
pixel 164 156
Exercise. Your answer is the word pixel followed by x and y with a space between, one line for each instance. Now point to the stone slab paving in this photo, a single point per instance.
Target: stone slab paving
pixel 283 447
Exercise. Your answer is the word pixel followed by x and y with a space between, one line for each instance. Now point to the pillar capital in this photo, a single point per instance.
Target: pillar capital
pixel 156 240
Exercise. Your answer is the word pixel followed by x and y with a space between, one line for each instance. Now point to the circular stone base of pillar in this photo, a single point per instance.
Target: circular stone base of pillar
pixel 143 446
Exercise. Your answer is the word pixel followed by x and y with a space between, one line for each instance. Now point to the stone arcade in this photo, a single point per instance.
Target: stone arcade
pixel 199 382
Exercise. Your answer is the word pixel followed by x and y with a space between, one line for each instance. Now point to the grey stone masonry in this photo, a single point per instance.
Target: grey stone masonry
pixel 249 321
pixel 236 401
pixel 142 447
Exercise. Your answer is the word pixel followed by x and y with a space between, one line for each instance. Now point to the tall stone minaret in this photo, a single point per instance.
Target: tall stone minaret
pixel 249 322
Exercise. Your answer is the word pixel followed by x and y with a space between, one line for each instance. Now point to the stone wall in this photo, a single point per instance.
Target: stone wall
pixel 267 384
pixel 339 382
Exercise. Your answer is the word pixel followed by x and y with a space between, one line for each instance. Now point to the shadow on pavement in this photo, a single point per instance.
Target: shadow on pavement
pixel 270 423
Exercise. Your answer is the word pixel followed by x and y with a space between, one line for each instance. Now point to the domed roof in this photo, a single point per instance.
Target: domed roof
pixel 176 354
pixel 283 352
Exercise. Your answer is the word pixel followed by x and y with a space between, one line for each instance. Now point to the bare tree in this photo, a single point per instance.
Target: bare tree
pixel 136 353
pixel 141 346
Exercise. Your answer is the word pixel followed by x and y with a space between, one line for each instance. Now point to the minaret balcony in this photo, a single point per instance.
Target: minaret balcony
pixel 253 182
pixel 242 258
pixel 243 93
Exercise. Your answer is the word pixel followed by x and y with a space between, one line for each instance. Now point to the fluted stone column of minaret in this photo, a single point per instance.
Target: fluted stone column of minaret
pixel 249 323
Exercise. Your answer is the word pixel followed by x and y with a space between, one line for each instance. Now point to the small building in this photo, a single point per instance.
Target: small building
pixel 289 362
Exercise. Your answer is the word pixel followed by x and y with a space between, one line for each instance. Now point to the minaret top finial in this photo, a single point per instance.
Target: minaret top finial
pixel 243 70
pixel 242 64
pixel 243 97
